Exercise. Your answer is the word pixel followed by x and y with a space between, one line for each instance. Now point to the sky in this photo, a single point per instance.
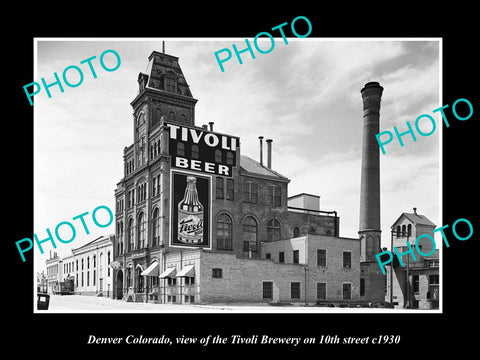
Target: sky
pixel 305 95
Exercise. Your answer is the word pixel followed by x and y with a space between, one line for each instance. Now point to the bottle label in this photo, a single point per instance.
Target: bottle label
pixel 190 227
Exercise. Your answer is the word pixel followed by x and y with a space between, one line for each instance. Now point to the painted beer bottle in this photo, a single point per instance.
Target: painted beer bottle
pixel 190 215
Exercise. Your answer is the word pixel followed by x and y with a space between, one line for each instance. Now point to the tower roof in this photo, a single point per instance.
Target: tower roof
pixel 415 219
pixel 162 67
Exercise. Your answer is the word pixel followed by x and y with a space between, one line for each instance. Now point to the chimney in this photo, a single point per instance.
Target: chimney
pixel 269 153
pixel 211 125
pixel 205 127
pixel 415 211
pixel 261 149
pixel 369 227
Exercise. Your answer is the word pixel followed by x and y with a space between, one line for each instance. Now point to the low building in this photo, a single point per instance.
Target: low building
pixel 54 273
pixel 309 269
pixel 331 263
pixel 90 267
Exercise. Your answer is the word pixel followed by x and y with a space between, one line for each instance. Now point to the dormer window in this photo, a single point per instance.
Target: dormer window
pixel 170 85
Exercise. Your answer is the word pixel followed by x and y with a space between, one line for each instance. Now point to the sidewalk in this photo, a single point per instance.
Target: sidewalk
pixel 92 304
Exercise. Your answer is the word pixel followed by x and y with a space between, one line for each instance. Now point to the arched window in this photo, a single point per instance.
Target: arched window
pixel 249 234
pixel 141 231
pixel 170 84
pixel 171 116
pixel 296 232
pixel 273 230
pixel 328 233
pixel 156 118
pixel 398 231
pixel 218 156
pixel 404 230
pixel 129 277
pixel 312 230
pixel 130 235
pixel 180 149
pixel 120 237
pixel 108 263
pixel 409 229
pixel 156 227
pixel 224 232
pixel 229 158
pixel 195 152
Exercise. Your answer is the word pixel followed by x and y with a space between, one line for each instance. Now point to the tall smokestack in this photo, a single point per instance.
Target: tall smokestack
pixel 211 125
pixel 269 153
pixel 369 228
pixel 261 149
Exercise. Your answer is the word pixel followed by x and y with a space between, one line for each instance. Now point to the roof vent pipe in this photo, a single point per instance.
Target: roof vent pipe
pixel 269 153
pixel 261 149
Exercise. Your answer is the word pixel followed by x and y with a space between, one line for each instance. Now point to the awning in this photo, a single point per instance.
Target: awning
pixel 152 270
pixel 170 272
pixel 188 270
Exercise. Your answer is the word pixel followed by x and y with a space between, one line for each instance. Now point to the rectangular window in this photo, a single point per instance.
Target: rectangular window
pixel 250 191
pixel 321 257
pixel 347 259
pixel 268 256
pixel 433 280
pixel 273 195
pixel 347 291
pixel 268 290
pixel 321 291
pixel 154 186
pixel 219 187
pixel 230 191
pixel 171 281
pixel 295 257
pixel 362 287
pixel 415 283
pixel 295 290
pixel 281 257
pixel 216 273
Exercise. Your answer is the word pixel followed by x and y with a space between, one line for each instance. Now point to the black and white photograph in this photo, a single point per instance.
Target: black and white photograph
pixel 243 183
pixel 302 197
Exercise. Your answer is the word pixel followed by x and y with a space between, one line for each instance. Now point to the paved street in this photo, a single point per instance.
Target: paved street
pixel 88 304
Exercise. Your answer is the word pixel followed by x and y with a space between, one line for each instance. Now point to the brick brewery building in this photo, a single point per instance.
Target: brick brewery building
pixel 198 222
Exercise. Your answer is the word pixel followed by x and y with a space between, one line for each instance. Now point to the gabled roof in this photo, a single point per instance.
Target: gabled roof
pixel 253 167
pixel 415 219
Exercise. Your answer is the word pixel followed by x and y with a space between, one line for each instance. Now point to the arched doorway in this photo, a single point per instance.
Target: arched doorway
pixel 138 279
pixel 119 286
